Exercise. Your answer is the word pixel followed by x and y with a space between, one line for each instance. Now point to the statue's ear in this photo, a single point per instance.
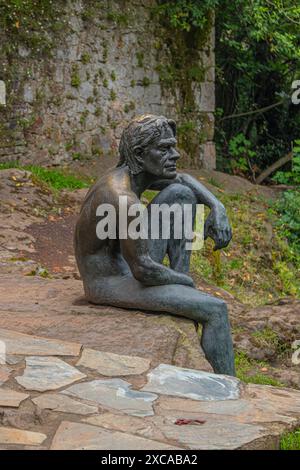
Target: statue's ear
pixel 172 124
pixel 138 151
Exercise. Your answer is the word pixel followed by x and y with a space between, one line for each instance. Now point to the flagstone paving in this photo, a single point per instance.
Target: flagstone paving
pixel 115 393
pixel 19 343
pixel 159 407
pixel 19 436
pixel 111 364
pixel 11 398
pixel 47 373
pixel 78 436
pixel 4 373
pixel 170 380
pixel 64 404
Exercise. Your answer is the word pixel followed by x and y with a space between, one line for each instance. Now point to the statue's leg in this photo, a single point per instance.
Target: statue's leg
pixel 125 291
pixel 174 247
pixel 188 302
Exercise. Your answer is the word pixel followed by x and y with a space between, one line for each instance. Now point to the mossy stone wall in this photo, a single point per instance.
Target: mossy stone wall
pixel 76 72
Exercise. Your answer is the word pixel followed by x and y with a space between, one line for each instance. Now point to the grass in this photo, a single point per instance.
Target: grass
pixel 249 267
pixel 268 338
pixel 55 179
pixel 290 441
pixel 248 370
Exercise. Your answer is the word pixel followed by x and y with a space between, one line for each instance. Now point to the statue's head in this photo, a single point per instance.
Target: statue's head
pixel 148 144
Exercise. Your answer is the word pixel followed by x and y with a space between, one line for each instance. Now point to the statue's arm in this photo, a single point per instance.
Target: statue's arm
pixel 144 268
pixel 217 224
pixel 203 195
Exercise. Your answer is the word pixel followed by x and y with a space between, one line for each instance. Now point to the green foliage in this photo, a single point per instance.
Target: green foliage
pixel 121 19
pixel 187 14
pixel 55 179
pixel 241 153
pixel 290 441
pixel 256 267
pixel 288 223
pixel 293 176
pixel 258 56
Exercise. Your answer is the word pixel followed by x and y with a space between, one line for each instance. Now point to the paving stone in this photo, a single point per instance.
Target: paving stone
pixel 189 383
pixel 116 394
pixel 21 437
pixel 12 360
pixel 79 436
pixel 111 364
pixel 11 398
pixel 47 373
pixel 144 427
pixel 4 373
pixel 59 402
pixel 213 434
pixel 265 407
pixel 20 343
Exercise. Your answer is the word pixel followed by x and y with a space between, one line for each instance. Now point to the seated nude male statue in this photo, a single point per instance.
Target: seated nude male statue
pixel 129 272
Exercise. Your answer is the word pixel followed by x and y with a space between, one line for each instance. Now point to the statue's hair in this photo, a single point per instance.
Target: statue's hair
pixel 138 136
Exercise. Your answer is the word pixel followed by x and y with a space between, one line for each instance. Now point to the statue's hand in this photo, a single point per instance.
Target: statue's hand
pixel 218 228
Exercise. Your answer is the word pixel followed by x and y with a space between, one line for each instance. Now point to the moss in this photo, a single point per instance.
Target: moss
pixel 98 111
pixel 85 58
pixel 75 78
pixel 25 22
pixel 179 68
pixel 83 117
pixel 113 76
pixel 121 19
pixel 18 259
pixel 146 82
pixel 105 51
pixel 140 59
pixel 132 83
pixel 129 107
pixel 112 95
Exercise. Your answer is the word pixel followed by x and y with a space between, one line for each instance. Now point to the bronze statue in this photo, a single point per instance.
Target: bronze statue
pixel 127 272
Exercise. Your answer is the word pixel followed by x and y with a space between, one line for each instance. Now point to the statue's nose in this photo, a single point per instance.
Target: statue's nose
pixel 175 154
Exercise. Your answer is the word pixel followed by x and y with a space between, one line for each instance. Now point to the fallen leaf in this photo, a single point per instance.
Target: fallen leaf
pixel 183 421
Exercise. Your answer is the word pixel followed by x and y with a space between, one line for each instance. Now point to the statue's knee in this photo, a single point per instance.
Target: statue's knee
pixel 220 311
pixel 178 192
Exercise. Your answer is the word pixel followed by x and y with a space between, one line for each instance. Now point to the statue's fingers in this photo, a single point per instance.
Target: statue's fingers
pixel 218 241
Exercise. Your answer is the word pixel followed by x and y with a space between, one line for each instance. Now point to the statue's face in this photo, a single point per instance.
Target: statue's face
pixel 160 159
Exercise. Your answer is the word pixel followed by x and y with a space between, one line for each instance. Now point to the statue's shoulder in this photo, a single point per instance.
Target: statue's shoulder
pixel 110 186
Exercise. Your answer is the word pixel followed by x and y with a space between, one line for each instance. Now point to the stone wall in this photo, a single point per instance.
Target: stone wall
pixel 111 60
